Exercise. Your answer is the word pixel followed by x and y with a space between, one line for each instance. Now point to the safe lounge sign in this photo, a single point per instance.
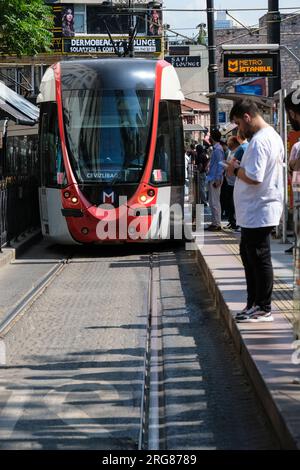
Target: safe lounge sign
pixel 250 65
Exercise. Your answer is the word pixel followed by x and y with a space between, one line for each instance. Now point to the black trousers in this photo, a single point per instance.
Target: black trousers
pixel 223 198
pixel 255 252
pixel 230 206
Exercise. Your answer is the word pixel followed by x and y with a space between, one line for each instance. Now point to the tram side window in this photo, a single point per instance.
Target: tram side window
pixel 53 174
pixel 177 143
pixel 161 172
pixel 169 154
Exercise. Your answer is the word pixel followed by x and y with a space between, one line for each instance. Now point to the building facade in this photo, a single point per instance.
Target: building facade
pixel 290 34
pixel 191 64
pixel 90 29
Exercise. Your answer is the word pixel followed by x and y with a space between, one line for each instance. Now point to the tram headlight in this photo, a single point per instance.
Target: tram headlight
pixel 84 230
pixel 143 198
pixel 146 197
pixel 67 194
pixel 74 200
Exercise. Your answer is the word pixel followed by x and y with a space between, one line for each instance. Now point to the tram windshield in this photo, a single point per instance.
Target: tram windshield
pixel 108 133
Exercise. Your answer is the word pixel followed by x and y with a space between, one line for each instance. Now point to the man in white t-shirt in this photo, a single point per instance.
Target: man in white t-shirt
pixel 295 154
pixel 258 199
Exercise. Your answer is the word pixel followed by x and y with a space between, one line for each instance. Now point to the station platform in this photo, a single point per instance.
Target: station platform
pixel 267 350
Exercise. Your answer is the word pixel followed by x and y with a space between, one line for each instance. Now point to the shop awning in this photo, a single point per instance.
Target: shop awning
pixel 263 101
pixel 193 127
pixel 16 107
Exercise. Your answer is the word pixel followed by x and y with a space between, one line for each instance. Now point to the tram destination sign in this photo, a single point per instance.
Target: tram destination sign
pixel 250 65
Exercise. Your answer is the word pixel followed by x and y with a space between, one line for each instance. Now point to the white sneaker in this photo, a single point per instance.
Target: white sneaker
pixel 255 315
pixel 246 311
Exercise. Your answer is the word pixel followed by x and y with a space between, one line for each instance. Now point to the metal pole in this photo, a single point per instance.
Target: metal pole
pixel 130 32
pixel 273 31
pixel 283 133
pixel 279 97
pixel 212 67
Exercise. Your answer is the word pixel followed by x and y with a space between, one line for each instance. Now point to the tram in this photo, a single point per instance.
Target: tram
pixel 111 151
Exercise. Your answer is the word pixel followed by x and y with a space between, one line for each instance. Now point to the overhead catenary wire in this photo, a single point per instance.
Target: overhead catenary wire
pixel 193 10
pixel 258 29
pixel 252 30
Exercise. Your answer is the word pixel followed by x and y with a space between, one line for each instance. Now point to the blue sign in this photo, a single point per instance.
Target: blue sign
pixel 222 117
pixel 249 89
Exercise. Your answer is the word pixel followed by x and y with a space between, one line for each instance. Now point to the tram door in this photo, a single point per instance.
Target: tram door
pixel 52 176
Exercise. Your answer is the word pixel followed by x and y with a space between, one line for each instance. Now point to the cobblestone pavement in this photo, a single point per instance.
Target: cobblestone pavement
pixel 74 372
pixel 208 399
pixel 18 277
pixel 75 360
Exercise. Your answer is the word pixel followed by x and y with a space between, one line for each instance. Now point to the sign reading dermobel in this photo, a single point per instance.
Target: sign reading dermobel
pixel 250 65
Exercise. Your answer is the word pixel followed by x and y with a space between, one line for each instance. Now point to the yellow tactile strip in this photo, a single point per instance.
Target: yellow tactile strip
pixel 282 294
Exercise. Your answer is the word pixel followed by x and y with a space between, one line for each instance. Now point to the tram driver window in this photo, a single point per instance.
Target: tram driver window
pixel 161 170
pixel 161 173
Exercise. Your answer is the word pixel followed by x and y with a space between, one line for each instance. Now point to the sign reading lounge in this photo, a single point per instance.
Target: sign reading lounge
pixel 98 45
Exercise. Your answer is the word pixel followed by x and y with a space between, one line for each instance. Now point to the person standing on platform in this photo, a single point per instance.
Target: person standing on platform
pixel 202 164
pixel 233 145
pixel 214 180
pixel 293 112
pixel 243 145
pixel 258 200
pixel 292 106
pixel 224 187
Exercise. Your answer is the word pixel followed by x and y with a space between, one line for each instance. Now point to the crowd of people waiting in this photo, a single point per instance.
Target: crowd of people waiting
pixel 244 178
pixel 214 188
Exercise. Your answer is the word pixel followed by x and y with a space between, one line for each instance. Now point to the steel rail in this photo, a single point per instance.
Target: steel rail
pixel 152 404
pixel 16 312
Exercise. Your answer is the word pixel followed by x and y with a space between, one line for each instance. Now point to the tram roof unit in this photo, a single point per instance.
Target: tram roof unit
pixel 16 107
pixel 108 74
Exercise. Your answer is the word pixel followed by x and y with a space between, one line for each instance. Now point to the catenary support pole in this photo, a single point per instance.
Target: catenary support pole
pixel 273 31
pixel 212 67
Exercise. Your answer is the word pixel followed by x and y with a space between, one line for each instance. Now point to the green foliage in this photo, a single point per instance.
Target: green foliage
pixel 201 39
pixel 25 27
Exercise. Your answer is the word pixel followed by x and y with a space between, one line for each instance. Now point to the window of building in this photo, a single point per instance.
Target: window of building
pixel 79 19
pixel 100 18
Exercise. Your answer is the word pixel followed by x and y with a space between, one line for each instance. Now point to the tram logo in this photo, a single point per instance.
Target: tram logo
pixel 108 198
pixel 233 65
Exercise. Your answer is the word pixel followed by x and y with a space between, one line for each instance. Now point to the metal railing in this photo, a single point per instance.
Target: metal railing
pixel 19 208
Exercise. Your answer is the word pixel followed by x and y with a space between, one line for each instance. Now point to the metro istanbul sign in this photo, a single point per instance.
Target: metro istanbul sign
pixel 250 65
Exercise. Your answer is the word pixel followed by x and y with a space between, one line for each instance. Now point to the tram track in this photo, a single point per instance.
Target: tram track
pixel 151 430
pixel 22 305
pixel 116 354
pixel 151 435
